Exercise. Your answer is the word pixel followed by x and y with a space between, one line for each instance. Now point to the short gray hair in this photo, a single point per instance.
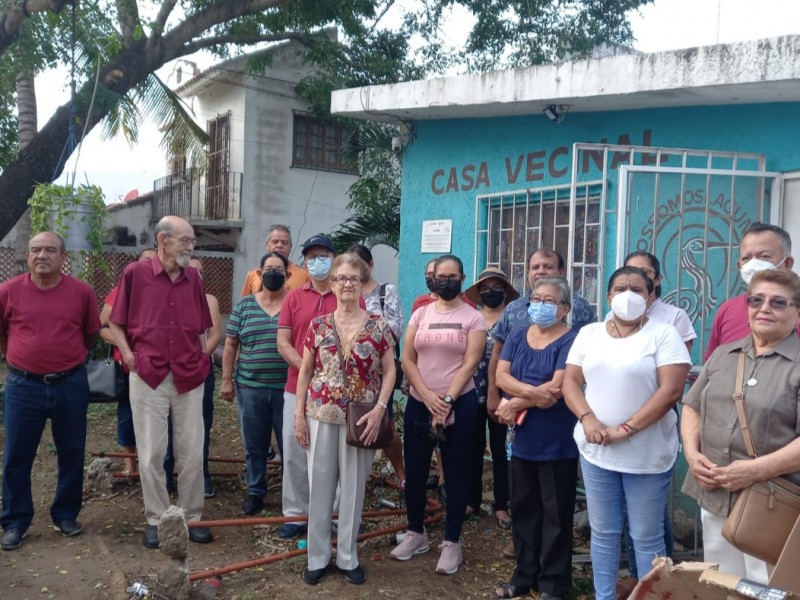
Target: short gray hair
pixel 163 226
pixel 564 291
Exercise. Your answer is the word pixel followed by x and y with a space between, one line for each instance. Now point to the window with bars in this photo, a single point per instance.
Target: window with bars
pixel 511 225
pixel 318 145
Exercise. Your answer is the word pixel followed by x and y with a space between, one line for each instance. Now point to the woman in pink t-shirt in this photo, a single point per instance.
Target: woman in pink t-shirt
pixel 444 342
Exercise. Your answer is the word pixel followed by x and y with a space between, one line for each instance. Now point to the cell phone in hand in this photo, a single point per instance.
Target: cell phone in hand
pixel 520 418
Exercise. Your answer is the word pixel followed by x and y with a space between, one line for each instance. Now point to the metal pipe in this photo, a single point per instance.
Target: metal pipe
pixel 218 459
pixel 292 553
pixel 432 506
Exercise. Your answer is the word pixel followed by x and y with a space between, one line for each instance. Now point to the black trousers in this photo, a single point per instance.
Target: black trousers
pixel 543 504
pixel 497 444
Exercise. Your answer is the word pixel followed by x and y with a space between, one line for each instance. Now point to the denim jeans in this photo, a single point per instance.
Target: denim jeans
pixel 208 421
pixel 27 405
pixel 669 541
pixel 644 496
pixel 260 413
pixel 125 433
pixel 418 449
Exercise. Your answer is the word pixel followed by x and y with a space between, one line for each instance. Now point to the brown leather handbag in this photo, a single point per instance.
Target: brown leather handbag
pixel 356 410
pixel 765 513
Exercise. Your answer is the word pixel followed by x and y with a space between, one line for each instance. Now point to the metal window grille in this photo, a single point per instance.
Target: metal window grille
pixel 511 225
pixel 318 145
pixel 217 178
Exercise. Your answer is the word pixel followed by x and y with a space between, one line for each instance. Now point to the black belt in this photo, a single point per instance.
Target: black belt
pixel 48 378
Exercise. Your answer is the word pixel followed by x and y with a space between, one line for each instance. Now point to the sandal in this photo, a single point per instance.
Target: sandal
pixel 509 590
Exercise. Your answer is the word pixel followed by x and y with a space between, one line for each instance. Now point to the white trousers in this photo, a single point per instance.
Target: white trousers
pixel 295 464
pixel 731 560
pixel 332 462
pixel 151 409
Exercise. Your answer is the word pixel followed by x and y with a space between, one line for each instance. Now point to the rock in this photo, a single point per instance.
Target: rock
pixel 173 534
pixel 581 523
pixel 98 477
pixel 173 537
pixel 683 528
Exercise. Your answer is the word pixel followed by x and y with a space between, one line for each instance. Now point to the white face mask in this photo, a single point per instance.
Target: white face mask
pixel 628 305
pixel 754 265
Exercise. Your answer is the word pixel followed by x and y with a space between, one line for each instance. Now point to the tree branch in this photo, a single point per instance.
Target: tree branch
pixel 128 15
pixel 11 20
pixel 217 40
pixel 220 12
pixel 161 18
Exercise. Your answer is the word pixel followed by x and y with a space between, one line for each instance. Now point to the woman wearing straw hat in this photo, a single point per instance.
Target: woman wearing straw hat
pixel 492 291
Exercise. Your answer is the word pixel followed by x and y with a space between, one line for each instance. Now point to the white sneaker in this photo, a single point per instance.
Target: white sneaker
pixel 449 559
pixel 413 543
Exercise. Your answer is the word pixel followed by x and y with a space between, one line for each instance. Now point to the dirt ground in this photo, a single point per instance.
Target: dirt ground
pixel 109 556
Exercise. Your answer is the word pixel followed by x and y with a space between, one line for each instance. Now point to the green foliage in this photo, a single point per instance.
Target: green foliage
pixel 54 206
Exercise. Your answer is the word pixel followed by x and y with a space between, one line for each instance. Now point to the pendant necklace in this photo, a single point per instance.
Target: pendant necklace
pixel 753 381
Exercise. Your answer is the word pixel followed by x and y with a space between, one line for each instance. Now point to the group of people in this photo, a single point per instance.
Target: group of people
pixel 558 392
pixel 163 326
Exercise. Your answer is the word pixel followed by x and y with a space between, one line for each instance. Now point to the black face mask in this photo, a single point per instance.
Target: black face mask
pixel 273 280
pixel 430 283
pixel 493 298
pixel 447 290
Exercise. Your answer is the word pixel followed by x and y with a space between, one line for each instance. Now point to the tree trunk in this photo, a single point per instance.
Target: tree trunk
pixel 26 105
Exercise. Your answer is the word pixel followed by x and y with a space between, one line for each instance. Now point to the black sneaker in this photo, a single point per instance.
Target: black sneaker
pixel 314 576
pixel 68 528
pixel 252 506
pixel 12 539
pixel 150 537
pixel 355 576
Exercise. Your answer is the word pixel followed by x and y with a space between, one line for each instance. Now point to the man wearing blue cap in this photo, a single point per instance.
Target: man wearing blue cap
pixel 300 306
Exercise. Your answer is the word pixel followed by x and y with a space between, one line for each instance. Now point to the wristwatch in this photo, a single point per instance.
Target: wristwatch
pixel 449 399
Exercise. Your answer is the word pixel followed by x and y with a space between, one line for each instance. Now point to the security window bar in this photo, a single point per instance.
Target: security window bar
pixel 319 145
pixel 511 225
pixel 217 180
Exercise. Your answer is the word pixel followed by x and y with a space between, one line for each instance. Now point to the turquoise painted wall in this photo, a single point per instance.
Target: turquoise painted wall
pixel 523 152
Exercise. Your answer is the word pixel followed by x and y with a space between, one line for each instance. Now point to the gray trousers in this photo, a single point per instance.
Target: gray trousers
pixel 332 463
pixel 295 464
pixel 151 409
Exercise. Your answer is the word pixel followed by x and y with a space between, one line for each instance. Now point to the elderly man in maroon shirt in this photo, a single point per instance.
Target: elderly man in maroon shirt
pixel 158 320
pixel 47 323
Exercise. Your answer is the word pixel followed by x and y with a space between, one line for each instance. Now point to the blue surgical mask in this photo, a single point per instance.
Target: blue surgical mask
pixel 542 314
pixel 319 267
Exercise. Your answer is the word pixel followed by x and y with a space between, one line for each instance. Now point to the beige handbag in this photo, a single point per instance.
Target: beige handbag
pixel 765 513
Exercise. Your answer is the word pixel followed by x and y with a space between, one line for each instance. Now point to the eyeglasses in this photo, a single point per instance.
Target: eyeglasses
pixel 323 254
pixel 353 280
pixel 273 271
pixel 494 288
pixel 547 301
pixel 778 303
pixel 444 278
pixel 185 241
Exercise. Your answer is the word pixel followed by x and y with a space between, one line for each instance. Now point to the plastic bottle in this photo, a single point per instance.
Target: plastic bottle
pixel 210 588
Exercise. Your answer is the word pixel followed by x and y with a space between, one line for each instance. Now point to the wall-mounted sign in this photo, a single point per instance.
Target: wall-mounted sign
pixel 436 236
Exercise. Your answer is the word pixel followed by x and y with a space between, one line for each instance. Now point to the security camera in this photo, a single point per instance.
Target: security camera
pixel 397 144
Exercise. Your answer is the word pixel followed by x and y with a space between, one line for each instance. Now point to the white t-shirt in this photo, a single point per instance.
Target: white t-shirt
pixel 666 313
pixel 620 378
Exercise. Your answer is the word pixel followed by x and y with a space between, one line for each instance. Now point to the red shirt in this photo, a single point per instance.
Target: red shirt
pixel 46 328
pixel 426 299
pixel 299 307
pixel 110 299
pixel 164 320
